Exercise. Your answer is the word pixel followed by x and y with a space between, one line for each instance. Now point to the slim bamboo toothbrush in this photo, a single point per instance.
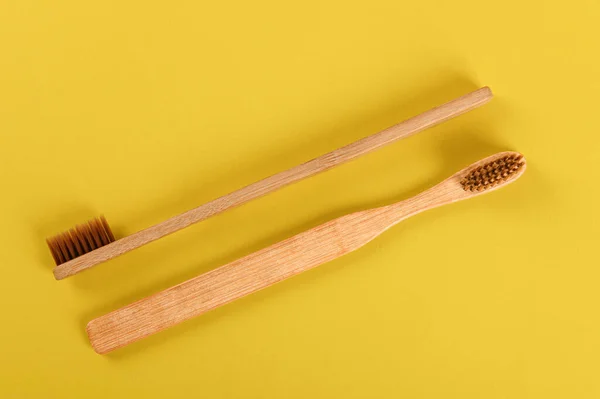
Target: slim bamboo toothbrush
pixel 89 244
pixel 291 256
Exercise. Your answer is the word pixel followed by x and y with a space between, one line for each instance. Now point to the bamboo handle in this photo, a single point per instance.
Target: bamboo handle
pixel 237 279
pixel 320 164
pixel 294 255
pixel 256 271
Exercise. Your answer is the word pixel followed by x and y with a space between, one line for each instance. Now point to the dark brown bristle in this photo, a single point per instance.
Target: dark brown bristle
pixel 493 173
pixel 79 240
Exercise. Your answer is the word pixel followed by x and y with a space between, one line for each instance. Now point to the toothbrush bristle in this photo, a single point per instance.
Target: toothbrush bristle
pixel 79 240
pixel 493 173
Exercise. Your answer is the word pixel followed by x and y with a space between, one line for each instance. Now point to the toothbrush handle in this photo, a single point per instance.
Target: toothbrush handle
pixel 288 257
pixel 320 164
pixel 237 279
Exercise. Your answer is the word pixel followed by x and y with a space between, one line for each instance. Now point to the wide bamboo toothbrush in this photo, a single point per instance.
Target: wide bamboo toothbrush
pixel 88 244
pixel 291 256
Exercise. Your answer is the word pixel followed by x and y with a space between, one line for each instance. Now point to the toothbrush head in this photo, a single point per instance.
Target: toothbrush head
pixel 79 240
pixel 493 172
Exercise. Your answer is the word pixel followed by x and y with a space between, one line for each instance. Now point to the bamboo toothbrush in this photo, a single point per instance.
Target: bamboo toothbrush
pixel 88 244
pixel 291 256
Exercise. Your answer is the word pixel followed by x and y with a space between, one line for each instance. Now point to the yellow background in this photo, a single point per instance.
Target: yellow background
pixel 140 110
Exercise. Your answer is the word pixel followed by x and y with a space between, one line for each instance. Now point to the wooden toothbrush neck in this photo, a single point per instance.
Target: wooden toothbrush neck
pixel 441 194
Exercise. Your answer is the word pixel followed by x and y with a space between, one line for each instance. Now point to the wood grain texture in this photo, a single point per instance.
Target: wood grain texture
pixel 270 265
pixel 327 161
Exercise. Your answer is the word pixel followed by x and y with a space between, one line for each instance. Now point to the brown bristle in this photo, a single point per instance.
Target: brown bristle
pixel 79 240
pixel 493 173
